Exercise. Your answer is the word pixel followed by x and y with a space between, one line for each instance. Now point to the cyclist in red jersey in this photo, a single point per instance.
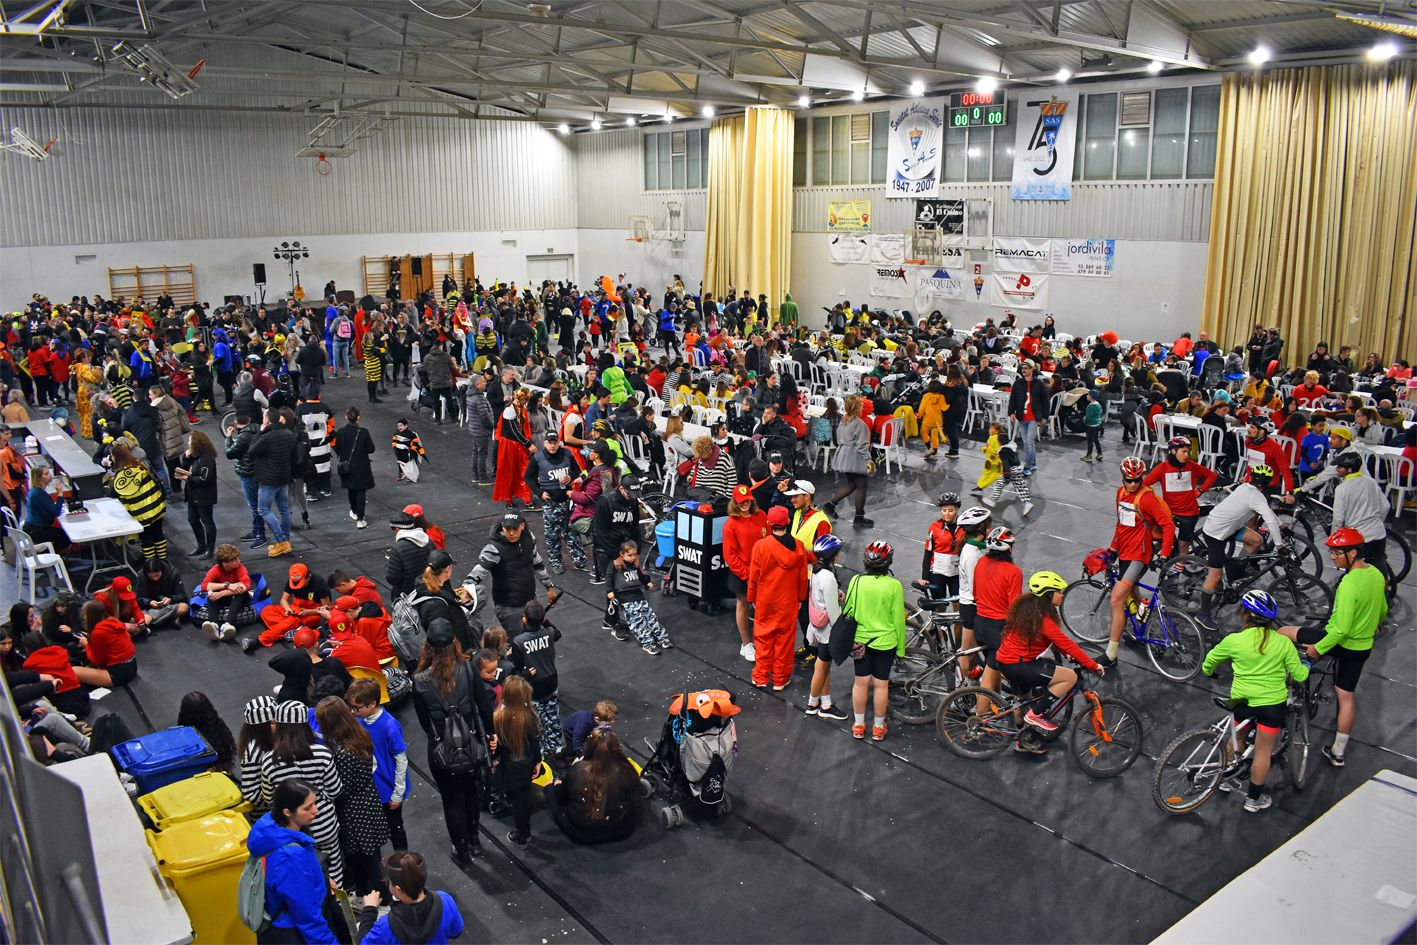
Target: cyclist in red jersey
pixel 1261 450
pixel 1182 482
pixel 997 584
pixel 1141 519
pixel 943 541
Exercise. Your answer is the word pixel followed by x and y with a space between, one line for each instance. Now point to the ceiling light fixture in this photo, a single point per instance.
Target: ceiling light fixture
pixel 804 101
pixel 1259 55
pixel 859 95
pixel 917 88
pixel 986 85
pixel 1064 74
pixel 630 122
pixel 151 66
pixel 1155 66
pixel 1383 51
pixel 595 124
pixel 564 128
pixel 708 111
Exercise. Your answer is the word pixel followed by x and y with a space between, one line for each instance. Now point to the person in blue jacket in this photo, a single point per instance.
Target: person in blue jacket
pixel 416 916
pixel 296 886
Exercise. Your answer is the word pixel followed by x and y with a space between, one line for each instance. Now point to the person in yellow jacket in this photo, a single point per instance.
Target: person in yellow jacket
pixel 931 416
pixel 993 467
pixel 142 497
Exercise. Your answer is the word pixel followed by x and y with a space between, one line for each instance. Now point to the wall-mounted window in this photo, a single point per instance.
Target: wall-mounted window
pixel 1160 134
pixel 676 160
pixel 845 150
pixel 799 152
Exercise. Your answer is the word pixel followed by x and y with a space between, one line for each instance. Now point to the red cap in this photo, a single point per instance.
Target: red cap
pixel 306 637
pixel 299 574
pixel 413 509
pixel 339 621
pixel 742 493
pixel 348 603
pixel 123 587
pixel 778 516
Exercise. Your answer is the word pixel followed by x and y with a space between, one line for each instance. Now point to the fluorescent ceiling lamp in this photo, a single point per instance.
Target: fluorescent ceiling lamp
pixel 1260 55
pixel 917 88
pixel 630 122
pixel 858 95
pixel 564 128
pixel 1383 51
pixel 1064 74
pixel 595 124
pixel 708 111
pixel 1155 66
pixel 986 85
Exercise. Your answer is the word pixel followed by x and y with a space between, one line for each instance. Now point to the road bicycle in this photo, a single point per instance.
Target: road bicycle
pixel 1104 739
pixel 1173 641
pixel 1302 598
pixel 1217 757
pixel 1315 518
pixel 930 668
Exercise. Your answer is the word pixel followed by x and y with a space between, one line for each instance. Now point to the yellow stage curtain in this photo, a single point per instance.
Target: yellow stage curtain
pixel 1314 220
pixel 748 243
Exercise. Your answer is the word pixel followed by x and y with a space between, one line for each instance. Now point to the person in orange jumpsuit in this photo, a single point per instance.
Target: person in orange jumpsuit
pixel 306 598
pixel 777 585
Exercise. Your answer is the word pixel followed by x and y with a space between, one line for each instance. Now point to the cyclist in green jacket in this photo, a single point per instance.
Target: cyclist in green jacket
pixel 877 603
pixel 1261 662
pixel 1359 606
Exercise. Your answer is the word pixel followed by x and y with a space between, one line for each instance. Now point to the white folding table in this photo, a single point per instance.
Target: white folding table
pixel 102 520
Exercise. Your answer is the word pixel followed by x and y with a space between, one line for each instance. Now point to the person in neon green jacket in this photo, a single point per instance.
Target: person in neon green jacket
pixel 876 601
pixel 613 379
pixel 1262 662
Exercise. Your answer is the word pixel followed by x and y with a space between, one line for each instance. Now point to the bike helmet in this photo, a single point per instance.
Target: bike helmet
pixel 1045 582
pixel 1349 459
pixel 948 498
pixel 1261 604
pixel 878 556
pixel 1133 468
pixel 1000 539
pixel 1261 474
pixel 1343 433
pixel 602 427
pixel 974 515
pixel 1176 442
pixel 826 547
pixel 1262 423
pixel 1345 538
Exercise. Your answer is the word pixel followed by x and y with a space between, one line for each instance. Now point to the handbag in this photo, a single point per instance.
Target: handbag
pixel 344 464
pixel 842 642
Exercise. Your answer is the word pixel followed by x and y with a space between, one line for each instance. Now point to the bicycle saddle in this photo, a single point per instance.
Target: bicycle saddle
pixel 934 605
pixel 1230 705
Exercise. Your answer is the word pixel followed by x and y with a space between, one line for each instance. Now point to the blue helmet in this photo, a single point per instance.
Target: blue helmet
pixel 826 547
pixel 1261 604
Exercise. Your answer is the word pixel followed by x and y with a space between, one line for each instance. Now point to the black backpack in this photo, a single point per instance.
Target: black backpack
pixel 461 749
pixel 108 730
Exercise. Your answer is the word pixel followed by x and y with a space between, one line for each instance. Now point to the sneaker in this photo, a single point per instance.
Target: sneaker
pixel 360 523
pixel 249 645
pixel 1256 804
pixel 778 687
pixel 878 733
pixel 862 521
pixel 749 652
pixel 666 644
pixel 617 631
pixel 258 541
pixel 1039 722
pixel 597 579
pixel 1227 785
pixel 1030 747
pixel 211 630
pixel 832 712
pixel 858 731
pixel 1030 470
pixel 651 649
pixel 987 503
pixel 313 497
pixel 352 516
pixel 811 710
pixel 517 840
pixel 976 491
pixel 1027 507
pixel 800 653
pixel 249 536
pixel 1087 458
pixel 830 509
pixel 1207 622
pixel 759 685
pixel 1335 760
pixel 228 632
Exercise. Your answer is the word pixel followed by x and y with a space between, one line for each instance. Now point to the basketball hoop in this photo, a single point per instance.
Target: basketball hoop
pixel 634 239
pixel 323 166
pixel 915 262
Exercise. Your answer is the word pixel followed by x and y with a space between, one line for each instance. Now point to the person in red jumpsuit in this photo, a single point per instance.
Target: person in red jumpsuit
pixel 1141 517
pixel 777 586
pixel 300 606
pixel 1182 482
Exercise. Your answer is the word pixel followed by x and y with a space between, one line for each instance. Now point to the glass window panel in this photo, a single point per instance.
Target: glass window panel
pixel 680 165
pixel 799 152
pixel 1205 122
pixel 693 144
pixel 1101 136
pixel 861 162
pixel 664 174
pixel 651 152
pixel 1079 142
pixel 821 151
pixel 841 149
pixel 981 154
pixel 1168 143
pixel 880 141
pixel 1004 148
pixel 1133 146
pixel 956 144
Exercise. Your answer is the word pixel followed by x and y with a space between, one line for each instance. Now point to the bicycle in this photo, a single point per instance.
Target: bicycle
pixel 932 621
pixel 1301 597
pixel 930 668
pixel 1173 640
pixel 1197 763
pixel 1305 546
pixel 1103 740
pixel 1316 518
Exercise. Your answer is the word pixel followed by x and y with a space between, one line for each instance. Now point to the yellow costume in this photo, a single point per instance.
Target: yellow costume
pixel 993 469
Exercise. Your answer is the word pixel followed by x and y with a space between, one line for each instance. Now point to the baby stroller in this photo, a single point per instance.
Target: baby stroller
pixel 420 394
pixel 689 767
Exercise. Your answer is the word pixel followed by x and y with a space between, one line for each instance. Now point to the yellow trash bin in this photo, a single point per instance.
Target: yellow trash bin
pixel 197 796
pixel 203 859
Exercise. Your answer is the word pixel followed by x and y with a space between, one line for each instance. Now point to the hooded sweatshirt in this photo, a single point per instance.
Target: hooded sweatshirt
pixel 110 644
pixel 407 559
pixel 430 922
pixel 295 884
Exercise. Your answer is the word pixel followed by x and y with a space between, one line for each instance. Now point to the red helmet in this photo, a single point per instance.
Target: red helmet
pixel 1133 468
pixel 878 556
pixel 1345 538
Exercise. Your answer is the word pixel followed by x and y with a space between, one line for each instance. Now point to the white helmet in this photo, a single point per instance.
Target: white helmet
pixel 974 515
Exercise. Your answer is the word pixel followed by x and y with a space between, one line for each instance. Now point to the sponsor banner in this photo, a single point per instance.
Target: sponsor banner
pixel 947 216
pixel 1027 290
pixel 1021 254
pixel 913 153
pixel 1083 257
pixel 1043 146
pixel 977 283
pixel 849 248
pixel 849 216
pixel 887 249
pixel 891 282
pixel 940 283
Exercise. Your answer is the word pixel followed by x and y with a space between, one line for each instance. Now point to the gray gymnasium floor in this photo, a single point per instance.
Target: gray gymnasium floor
pixel 830 840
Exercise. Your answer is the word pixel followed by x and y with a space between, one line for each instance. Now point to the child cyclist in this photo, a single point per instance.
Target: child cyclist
pixel 824 599
pixel 940 566
pixel 1030 628
pixel 974 524
pixel 1262 660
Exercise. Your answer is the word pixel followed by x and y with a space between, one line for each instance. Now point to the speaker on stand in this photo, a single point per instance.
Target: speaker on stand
pixel 258 275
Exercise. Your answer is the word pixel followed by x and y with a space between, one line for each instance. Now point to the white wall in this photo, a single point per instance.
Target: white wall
pixel 223 266
pixel 652 264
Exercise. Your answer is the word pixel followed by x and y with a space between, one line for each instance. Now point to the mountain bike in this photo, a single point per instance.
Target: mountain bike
pixel 930 668
pixel 1302 598
pixel 1103 739
pixel 1315 518
pixel 1173 640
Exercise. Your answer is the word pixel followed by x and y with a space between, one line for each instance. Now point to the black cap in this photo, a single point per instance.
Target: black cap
pixel 630 482
pixel 401 520
pixel 551 435
pixel 440 633
pixel 512 520
pixel 775 457
pixel 439 559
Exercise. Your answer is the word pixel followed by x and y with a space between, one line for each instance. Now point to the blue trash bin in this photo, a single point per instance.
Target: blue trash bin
pixel 164 757
pixel 664 540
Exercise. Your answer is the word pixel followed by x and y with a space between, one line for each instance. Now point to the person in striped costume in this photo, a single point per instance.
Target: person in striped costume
pixel 374 348
pixel 296 754
pixel 133 484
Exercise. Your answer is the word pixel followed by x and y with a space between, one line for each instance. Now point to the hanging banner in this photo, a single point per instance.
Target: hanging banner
pixel 849 248
pixel 1043 146
pixel 940 284
pixel 849 216
pixel 976 282
pixel 947 216
pixel 891 282
pixel 1022 254
pixel 887 249
pixel 913 154
pixel 1083 257
pixel 1018 289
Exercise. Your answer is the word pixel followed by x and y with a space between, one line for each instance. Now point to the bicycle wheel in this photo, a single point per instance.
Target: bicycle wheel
pixel 1087 610
pixel 968 732
pixel 1180 657
pixel 1302 599
pixel 1307 555
pixel 228 423
pixel 1296 755
pixel 918 683
pixel 1183 581
pixel 1399 560
pixel 1105 738
pixel 1188 771
pixel 657 505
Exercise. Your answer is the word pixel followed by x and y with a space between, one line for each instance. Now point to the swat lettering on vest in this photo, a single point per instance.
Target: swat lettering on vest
pixel 622 518
pixel 540 643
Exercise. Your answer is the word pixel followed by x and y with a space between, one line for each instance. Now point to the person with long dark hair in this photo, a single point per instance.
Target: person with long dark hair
pixel 363 829
pixel 598 801
pixel 196 470
pixel 197 712
pixel 295 754
pixel 353 446
pixel 518 732
pixel 296 887
pixel 256 739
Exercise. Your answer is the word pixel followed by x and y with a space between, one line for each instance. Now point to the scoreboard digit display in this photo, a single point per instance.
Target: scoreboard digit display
pixel 977 109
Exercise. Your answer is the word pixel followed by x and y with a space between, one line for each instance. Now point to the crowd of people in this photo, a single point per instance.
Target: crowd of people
pixel 576 402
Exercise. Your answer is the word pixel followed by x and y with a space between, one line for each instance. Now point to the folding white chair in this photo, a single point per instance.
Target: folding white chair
pixel 1146 440
pixel 891 442
pixel 1290 447
pixel 1164 432
pixel 657 403
pixel 1212 445
pixel 1397 475
pixel 973 413
pixel 32 560
pixel 1052 429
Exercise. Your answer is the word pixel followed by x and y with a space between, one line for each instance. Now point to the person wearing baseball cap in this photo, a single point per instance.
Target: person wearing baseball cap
pixel 299 606
pixel 119 600
pixel 745 527
pixel 553 469
pixel 303 668
pixel 808 523
pixel 777 586
pixel 408 556
pixel 512 563
pixel 108 647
